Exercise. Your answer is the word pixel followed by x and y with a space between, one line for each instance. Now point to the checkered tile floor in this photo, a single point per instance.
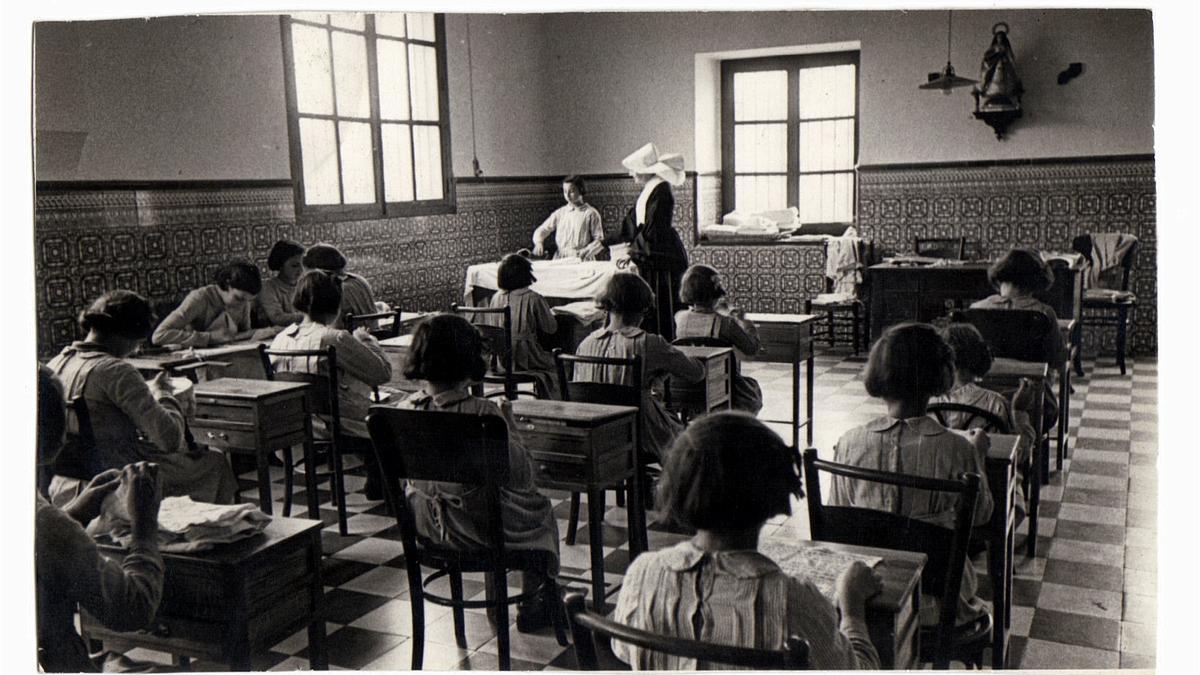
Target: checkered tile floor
pixel 1087 601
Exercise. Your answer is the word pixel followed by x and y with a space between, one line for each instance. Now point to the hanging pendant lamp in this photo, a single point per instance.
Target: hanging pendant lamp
pixel 946 79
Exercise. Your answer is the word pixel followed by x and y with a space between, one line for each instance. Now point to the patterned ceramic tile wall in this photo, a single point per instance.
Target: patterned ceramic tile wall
pixel 1041 206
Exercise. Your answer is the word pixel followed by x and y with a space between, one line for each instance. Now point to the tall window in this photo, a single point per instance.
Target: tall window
pixel 367 114
pixel 789 131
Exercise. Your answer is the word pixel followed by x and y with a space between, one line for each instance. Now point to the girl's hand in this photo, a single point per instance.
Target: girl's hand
pixel 1023 398
pixel 539 249
pixel 362 334
pixel 855 585
pixel 980 440
pixel 87 505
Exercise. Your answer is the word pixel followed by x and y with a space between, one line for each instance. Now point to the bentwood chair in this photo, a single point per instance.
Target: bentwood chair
pixel 946 548
pixel 593 633
pixel 495 327
pixel 1109 304
pixel 471 451
pixel 846 316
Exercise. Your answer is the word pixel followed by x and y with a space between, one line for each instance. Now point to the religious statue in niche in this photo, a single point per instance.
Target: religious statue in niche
pixel 998 95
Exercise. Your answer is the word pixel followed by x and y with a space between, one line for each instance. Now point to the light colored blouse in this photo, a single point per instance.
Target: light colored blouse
pixel 737 598
pixel 201 314
pixel 274 303
pixel 578 231
pixel 361 366
pixel 972 394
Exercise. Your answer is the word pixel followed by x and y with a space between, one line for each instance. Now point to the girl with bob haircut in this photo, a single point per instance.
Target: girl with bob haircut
pixel 362 365
pixel 274 302
pixel 447 355
pixel 627 299
pixel 908 365
pixel 132 420
pixel 710 316
pixel 357 297
pixel 726 476
pixel 218 313
pixel 531 317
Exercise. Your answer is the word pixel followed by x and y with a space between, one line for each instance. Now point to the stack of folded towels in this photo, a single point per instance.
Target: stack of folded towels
pixel 185 525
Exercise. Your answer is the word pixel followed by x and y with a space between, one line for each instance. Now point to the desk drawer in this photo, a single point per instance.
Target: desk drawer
pixel 225 434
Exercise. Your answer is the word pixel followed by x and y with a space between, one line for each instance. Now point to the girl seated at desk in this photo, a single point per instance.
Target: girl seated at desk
pixel 908 365
pixel 132 420
pixel 710 316
pixel 357 298
pixel 726 476
pixel 218 313
pixel 531 316
pixel 447 355
pixel 627 299
pixel 576 226
pixel 274 302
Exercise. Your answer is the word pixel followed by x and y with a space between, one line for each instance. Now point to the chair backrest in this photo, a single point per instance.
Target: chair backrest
pixel 946 548
pixel 592 633
pixel 322 393
pixel 1083 245
pixel 495 327
pixel 700 342
pixel 966 416
pixel 77 458
pixel 447 447
pixel 574 389
pixel 371 321
pixel 951 248
pixel 1021 334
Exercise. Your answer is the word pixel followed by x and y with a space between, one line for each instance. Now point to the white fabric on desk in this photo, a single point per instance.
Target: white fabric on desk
pixel 563 278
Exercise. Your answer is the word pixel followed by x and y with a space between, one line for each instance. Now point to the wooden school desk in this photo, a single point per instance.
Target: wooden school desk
pixel 1004 377
pixel 235 600
pixel 257 417
pixel 396 350
pixel 237 359
pixel 714 392
pixel 787 338
pixel 1001 467
pixel 590 448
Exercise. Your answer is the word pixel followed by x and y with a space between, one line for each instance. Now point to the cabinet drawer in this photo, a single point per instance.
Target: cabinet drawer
pixel 224 434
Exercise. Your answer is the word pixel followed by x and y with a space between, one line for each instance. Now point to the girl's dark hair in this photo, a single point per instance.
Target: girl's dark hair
pixel 121 313
pixel 728 471
pixel 1024 269
pixel 52 416
pixel 241 275
pixel 318 293
pixel 324 257
pixel 515 271
pixel 971 352
pixel 283 251
pixel 625 293
pixel 701 285
pixel 577 182
pixel 445 348
pixel 910 360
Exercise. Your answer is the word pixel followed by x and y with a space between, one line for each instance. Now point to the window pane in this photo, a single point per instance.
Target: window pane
pixel 350 73
pixel 827 145
pixel 827 92
pixel 760 193
pixel 310 59
pixel 319 161
pixel 759 148
pixel 392 61
pixel 351 20
pixel 760 96
pixel 397 163
pixel 420 26
pixel 422 67
pixel 390 23
pixel 313 17
pixel 358 171
pixel 427 150
pixel 827 198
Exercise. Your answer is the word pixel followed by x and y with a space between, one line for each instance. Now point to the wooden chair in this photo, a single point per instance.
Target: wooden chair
pixel 990 421
pixel 609 394
pixel 469 450
pixel 1100 307
pixel 949 248
pixel 373 323
pixel 323 400
pixel 497 345
pixel 592 634
pixel 1022 335
pixel 946 548
pixel 76 459
pixel 844 317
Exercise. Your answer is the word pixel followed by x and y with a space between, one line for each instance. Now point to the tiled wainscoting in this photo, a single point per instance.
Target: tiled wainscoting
pixel 164 240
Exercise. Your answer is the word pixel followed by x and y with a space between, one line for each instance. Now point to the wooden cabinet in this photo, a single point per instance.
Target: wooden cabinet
pixel 714 391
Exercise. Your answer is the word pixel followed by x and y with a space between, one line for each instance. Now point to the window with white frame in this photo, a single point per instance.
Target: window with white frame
pixel 368 120
pixel 789 134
